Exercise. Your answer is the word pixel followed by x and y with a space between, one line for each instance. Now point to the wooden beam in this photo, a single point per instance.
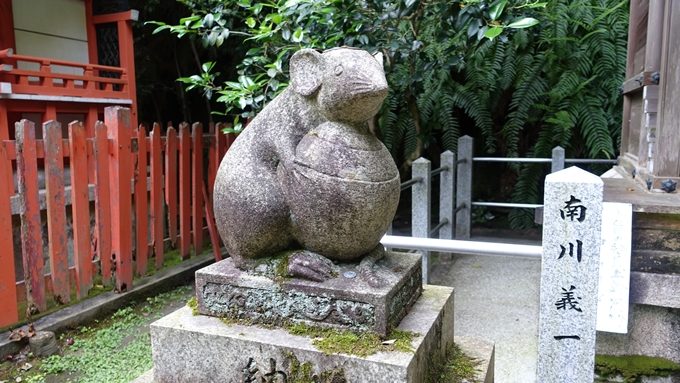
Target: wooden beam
pixel 640 80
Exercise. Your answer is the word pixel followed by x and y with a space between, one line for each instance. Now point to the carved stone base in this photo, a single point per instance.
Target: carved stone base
pixel 345 301
pixel 197 349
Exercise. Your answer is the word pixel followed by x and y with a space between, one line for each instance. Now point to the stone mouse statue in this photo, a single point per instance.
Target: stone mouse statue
pixel 307 175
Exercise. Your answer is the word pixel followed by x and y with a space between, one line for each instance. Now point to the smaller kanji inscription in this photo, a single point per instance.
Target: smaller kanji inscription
pixel 568 301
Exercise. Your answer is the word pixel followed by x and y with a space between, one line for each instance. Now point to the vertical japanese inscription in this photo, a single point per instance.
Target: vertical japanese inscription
pixel 569 276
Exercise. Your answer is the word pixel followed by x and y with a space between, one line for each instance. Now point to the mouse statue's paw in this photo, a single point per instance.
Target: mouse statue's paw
pixel 371 277
pixel 368 267
pixel 308 265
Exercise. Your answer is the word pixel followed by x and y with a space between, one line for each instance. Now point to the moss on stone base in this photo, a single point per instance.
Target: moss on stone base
pixel 632 367
pixel 193 305
pixel 334 341
pixel 453 367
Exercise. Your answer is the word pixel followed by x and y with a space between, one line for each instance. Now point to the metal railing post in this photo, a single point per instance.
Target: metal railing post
pixel 447 187
pixel 420 207
pixel 557 163
pixel 464 187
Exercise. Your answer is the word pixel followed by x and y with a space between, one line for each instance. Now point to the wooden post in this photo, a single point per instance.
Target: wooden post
pixel 56 211
pixel 171 183
pixel 197 185
pixel 184 189
pixel 80 205
pixel 8 291
pixel 31 238
pixel 157 195
pixel 117 121
pixel 141 204
pixel 102 201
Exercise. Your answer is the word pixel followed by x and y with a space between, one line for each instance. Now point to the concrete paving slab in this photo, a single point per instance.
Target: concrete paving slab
pixel 497 300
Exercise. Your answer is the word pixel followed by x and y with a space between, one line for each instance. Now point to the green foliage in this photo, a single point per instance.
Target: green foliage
pixel 632 367
pixel 274 30
pixel 520 76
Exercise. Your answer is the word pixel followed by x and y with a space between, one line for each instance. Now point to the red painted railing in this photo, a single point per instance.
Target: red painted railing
pixel 89 80
pixel 124 159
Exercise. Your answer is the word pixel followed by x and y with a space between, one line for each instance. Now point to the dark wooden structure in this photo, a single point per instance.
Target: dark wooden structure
pixel 650 140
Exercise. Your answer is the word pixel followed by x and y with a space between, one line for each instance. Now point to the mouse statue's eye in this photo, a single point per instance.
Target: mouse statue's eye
pixel 338 70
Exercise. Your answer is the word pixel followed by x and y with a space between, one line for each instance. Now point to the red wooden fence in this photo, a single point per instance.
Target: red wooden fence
pixel 132 170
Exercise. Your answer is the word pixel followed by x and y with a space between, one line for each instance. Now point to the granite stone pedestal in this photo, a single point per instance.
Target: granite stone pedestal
pixel 198 348
pixel 345 301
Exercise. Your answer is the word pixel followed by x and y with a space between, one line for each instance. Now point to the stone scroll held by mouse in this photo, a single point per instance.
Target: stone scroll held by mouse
pixel 306 180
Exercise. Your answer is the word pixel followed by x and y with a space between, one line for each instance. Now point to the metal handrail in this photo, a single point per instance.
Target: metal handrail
pixel 441 224
pixel 439 170
pixel 544 160
pixel 462 247
pixel 511 159
pixel 407 184
pixel 508 204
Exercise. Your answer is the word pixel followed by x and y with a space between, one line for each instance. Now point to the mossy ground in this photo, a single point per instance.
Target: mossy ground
pixel 632 367
pixel 113 349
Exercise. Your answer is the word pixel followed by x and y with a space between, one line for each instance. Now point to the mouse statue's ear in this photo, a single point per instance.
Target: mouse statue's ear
pixel 306 71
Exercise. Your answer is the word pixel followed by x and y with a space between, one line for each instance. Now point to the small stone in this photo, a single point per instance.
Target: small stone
pixel 669 185
pixel 349 274
pixel 43 343
pixel 26 367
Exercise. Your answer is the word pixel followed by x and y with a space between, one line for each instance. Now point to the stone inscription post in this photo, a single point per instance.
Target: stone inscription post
pixel 569 276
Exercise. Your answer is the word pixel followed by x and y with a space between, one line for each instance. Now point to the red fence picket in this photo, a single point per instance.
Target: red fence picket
pixel 157 195
pixel 56 210
pixel 141 205
pixel 197 183
pixel 117 121
pixel 102 201
pixel 80 207
pixel 184 189
pixel 8 291
pixel 212 155
pixel 31 239
pixel 171 183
